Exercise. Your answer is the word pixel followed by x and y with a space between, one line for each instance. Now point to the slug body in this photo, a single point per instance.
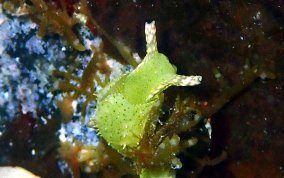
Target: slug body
pixel 126 105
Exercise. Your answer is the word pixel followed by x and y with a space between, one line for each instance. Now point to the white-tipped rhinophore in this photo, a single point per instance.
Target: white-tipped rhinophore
pixel 150 32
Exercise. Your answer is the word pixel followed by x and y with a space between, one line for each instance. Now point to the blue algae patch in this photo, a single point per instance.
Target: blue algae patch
pixel 26 83
pixel 25 66
pixel 76 131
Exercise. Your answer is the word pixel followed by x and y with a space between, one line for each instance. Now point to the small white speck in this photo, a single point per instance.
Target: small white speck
pixel 197 117
pixel 110 63
pixel 6 95
pixel 162 145
pixel 74 105
pixel 265 132
pixel 76 42
pixel 218 75
pixel 87 169
pixel 33 152
pixel 49 95
pixel 43 120
pixel 191 142
pixel 263 76
pixel 176 164
pixel 137 57
pixel 209 128
pixel 158 103
pixel 173 142
pixel 257 16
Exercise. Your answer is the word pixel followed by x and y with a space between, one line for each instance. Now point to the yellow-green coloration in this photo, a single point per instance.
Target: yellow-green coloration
pixel 127 106
pixel 156 173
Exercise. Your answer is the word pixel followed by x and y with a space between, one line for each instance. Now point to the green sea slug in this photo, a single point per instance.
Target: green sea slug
pixel 130 104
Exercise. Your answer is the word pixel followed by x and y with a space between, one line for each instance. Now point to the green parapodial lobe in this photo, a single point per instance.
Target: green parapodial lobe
pixel 126 104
